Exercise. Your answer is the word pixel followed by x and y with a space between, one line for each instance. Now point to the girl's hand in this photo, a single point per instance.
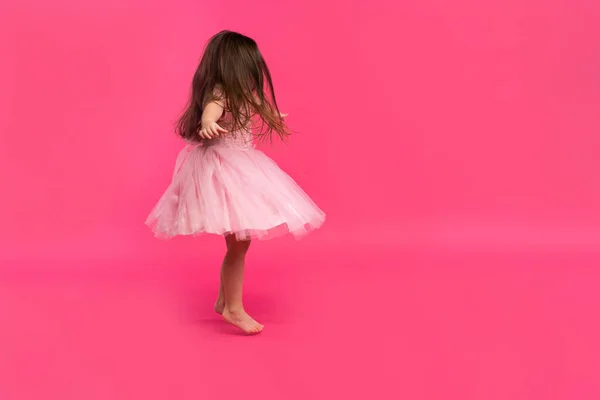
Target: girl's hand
pixel 211 130
pixel 282 115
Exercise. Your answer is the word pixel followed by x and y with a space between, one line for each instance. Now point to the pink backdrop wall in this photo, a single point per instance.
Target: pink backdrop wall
pixel 461 123
pixel 454 125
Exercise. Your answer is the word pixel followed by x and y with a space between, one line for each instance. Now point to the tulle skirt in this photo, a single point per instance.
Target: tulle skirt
pixel 228 191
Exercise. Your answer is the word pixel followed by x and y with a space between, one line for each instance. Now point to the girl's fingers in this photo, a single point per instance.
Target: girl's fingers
pixel 211 132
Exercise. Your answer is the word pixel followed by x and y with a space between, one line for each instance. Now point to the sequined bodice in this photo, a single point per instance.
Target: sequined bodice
pixel 242 139
pixel 238 140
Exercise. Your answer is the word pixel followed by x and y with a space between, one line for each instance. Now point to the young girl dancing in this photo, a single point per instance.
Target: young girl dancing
pixel 222 184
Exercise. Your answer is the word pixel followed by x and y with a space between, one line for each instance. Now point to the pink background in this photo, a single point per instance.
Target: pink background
pixel 453 145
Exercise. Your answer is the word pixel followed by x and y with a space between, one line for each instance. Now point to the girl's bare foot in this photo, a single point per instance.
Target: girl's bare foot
pixel 243 321
pixel 220 305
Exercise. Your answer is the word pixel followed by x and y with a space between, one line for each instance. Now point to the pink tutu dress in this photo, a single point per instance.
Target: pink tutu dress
pixel 225 186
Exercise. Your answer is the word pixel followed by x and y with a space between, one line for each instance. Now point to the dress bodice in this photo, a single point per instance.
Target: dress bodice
pixel 241 139
pixel 238 140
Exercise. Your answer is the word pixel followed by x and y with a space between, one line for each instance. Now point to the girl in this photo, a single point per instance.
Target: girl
pixel 222 184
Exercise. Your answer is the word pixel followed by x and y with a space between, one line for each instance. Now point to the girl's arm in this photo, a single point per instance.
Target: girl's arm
pixel 210 115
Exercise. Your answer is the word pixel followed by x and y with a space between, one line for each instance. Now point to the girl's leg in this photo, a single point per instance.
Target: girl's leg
pixel 220 303
pixel 231 244
pixel 232 279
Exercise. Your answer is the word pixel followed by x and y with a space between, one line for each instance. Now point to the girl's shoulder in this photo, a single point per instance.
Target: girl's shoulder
pixel 217 95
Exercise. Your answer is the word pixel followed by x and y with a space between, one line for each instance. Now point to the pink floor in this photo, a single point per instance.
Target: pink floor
pixel 341 322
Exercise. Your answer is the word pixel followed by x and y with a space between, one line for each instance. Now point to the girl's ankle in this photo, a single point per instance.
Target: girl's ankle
pixel 235 309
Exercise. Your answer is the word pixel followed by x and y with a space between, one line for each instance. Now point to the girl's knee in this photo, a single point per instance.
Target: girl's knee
pixel 237 246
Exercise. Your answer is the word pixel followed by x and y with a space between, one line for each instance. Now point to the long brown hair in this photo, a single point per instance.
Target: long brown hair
pixel 233 71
